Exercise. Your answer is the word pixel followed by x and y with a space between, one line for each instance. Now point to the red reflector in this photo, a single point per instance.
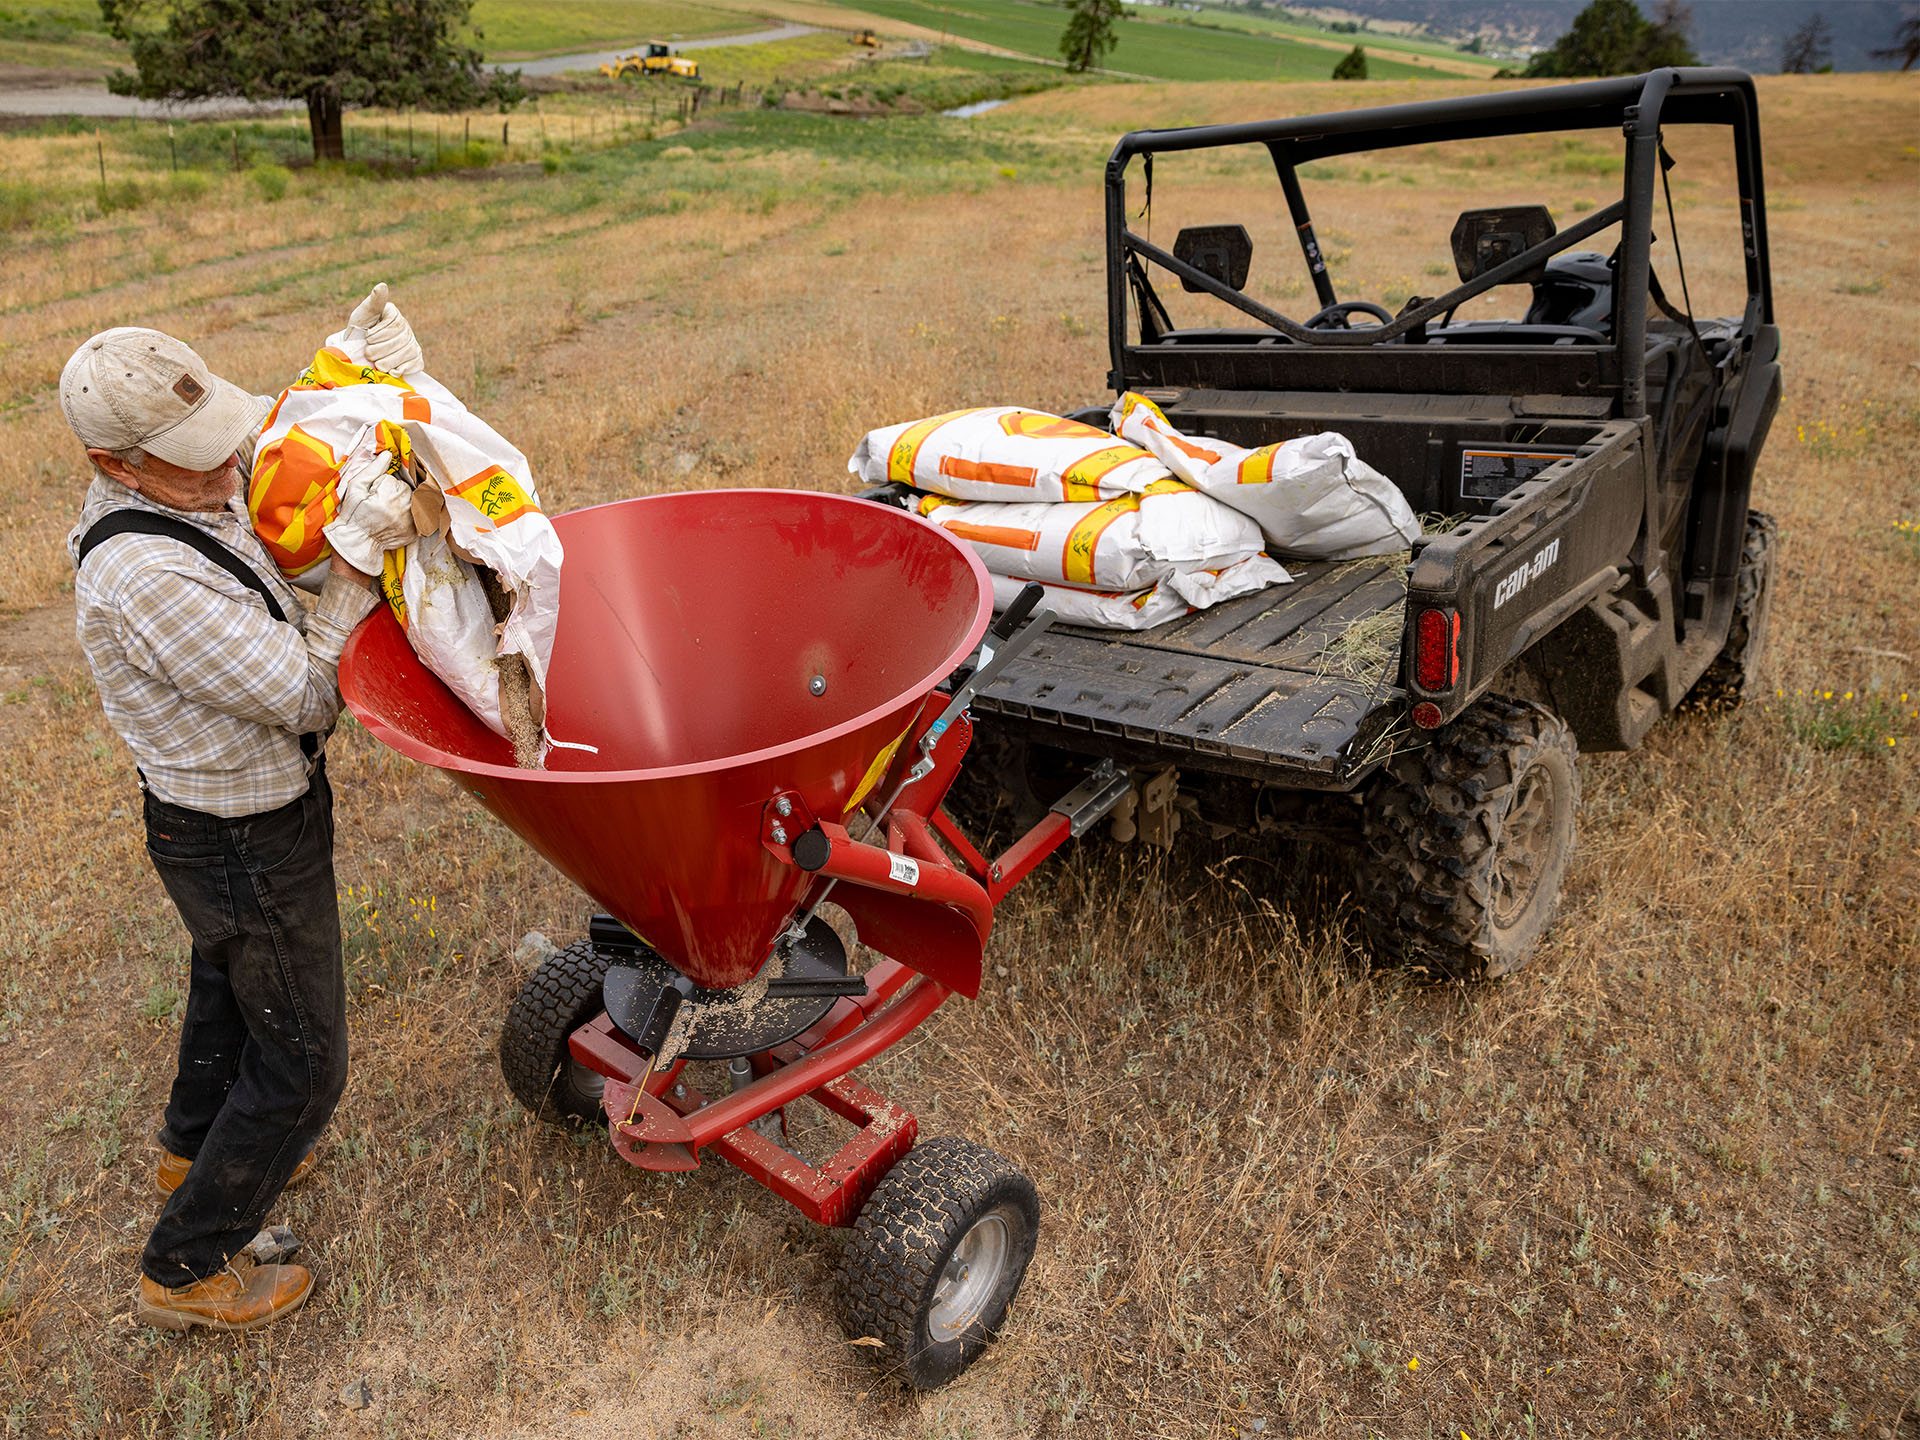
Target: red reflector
pixel 1436 650
pixel 1427 715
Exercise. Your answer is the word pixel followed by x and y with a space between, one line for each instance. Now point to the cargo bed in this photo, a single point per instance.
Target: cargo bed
pixel 1298 682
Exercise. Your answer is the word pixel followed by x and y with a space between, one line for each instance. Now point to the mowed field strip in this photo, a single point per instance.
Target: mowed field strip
pixel 1663 1182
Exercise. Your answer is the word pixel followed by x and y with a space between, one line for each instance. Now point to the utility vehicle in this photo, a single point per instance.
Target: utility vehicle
pixel 1586 467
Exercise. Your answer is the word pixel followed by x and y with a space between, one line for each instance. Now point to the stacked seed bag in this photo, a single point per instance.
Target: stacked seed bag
pixel 478 593
pixel 1117 541
pixel 1313 497
pixel 1132 528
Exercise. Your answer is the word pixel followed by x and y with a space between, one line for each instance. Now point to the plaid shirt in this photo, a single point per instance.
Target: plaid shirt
pixel 209 691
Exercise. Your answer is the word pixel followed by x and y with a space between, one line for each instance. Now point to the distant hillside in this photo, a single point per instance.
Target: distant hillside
pixel 1747 33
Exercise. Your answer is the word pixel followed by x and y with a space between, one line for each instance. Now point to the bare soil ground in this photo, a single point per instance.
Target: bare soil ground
pixel 1661 1183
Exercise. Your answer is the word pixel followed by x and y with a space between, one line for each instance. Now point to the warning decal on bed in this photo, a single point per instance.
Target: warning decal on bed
pixel 1489 474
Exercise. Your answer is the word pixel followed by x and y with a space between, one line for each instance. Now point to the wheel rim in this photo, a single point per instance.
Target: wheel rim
pixel 589 1085
pixel 972 1275
pixel 1526 841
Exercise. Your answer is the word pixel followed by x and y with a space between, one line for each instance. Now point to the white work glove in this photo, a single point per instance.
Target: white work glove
pixel 389 338
pixel 375 514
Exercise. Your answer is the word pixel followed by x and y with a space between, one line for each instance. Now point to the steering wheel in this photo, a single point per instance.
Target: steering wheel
pixel 1335 316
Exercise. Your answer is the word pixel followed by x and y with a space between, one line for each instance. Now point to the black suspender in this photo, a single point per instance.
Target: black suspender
pixel 145 522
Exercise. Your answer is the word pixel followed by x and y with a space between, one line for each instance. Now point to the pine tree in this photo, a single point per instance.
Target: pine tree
pixel 1089 34
pixel 1612 37
pixel 328 53
pixel 1352 66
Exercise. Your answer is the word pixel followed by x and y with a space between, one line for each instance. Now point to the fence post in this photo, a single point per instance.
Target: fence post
pixel 173 151
pixel 236 145
pixel 100 149
pixel 409 135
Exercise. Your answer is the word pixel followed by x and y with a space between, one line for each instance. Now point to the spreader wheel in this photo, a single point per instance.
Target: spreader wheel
pixel 558 998
pixel 936 1256
pixel 1468 840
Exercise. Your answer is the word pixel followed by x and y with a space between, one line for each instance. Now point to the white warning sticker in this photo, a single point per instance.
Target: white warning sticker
pixel 902 869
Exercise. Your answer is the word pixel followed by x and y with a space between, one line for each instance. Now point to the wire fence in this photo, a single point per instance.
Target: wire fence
pixel 422 141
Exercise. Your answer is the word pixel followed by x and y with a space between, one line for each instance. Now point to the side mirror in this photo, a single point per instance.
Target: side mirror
pixel 1483 239
pixel 1224 252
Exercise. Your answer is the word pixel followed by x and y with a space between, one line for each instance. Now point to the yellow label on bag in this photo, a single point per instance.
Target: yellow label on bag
pixel 331 369
pixel 393 570
pixel 496 495
pixel 906 449
pixel 1077 557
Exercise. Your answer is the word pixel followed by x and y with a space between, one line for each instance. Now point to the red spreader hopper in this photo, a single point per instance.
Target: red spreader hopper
pixel 774 687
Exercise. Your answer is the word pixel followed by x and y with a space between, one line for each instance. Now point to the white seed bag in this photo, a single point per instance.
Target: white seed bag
pixel 475 498
pixel 1125 544
pixel 1313 497
pixel 1177 595
pixel 1005 453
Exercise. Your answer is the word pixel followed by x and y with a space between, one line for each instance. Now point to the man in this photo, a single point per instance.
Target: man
pixel 225 688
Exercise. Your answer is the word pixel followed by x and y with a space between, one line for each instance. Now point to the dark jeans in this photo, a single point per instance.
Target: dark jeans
pixel 263 1049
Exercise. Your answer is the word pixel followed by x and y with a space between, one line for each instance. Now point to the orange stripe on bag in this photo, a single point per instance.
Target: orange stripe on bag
pixel 986 472
pixel 1006 537
pixel 496 495
pixel 907 448
pixel 414 406
pixel 1076 560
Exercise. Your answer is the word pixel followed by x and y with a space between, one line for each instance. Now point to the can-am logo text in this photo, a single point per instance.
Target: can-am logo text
pixel 1531 570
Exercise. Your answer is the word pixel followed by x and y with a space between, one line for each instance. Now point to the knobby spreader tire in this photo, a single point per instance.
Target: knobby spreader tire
pixel 1727 679
pixel 936 1256
pixel 558 998
pixel 1468 840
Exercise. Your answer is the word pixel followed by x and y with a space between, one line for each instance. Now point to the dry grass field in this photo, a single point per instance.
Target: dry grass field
pixel 1663 1182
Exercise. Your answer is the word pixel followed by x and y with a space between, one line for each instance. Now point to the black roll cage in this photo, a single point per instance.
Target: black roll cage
pixel 1638 105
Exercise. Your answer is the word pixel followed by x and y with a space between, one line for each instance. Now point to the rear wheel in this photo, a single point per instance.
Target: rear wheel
pixel 1468 841
pixel 558 998
pixel 936 1256
pixel 1728 679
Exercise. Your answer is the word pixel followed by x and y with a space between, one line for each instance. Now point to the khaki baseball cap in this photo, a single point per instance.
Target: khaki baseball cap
pixel 129 386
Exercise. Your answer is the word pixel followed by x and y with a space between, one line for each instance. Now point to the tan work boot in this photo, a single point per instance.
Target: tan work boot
pixel 225 1301
pixel 173 1169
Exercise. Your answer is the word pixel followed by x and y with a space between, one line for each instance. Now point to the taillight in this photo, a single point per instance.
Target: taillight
pixel 1436 649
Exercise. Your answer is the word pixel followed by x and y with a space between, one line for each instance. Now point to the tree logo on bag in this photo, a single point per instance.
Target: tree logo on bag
pixel 496 495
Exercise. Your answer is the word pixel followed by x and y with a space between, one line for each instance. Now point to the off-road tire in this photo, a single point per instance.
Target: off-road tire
pixel 1468 840
pixel 1728 679
pixel 558 998
pixel 909 1230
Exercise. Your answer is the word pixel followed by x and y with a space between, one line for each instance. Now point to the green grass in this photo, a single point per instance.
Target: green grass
pixel 1146 47
pixel 943 80
pixel 57 35
pixel 1259 24
pixel 522 29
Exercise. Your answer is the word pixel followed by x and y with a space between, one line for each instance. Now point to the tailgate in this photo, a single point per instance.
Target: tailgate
pixel 1298 682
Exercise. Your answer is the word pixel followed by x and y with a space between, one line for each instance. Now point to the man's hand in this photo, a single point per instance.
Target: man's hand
pixel 390 343
pixel 375 515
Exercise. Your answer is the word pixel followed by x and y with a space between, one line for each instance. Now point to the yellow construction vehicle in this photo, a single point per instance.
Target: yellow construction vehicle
pixel 655 59
pixel 866 38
